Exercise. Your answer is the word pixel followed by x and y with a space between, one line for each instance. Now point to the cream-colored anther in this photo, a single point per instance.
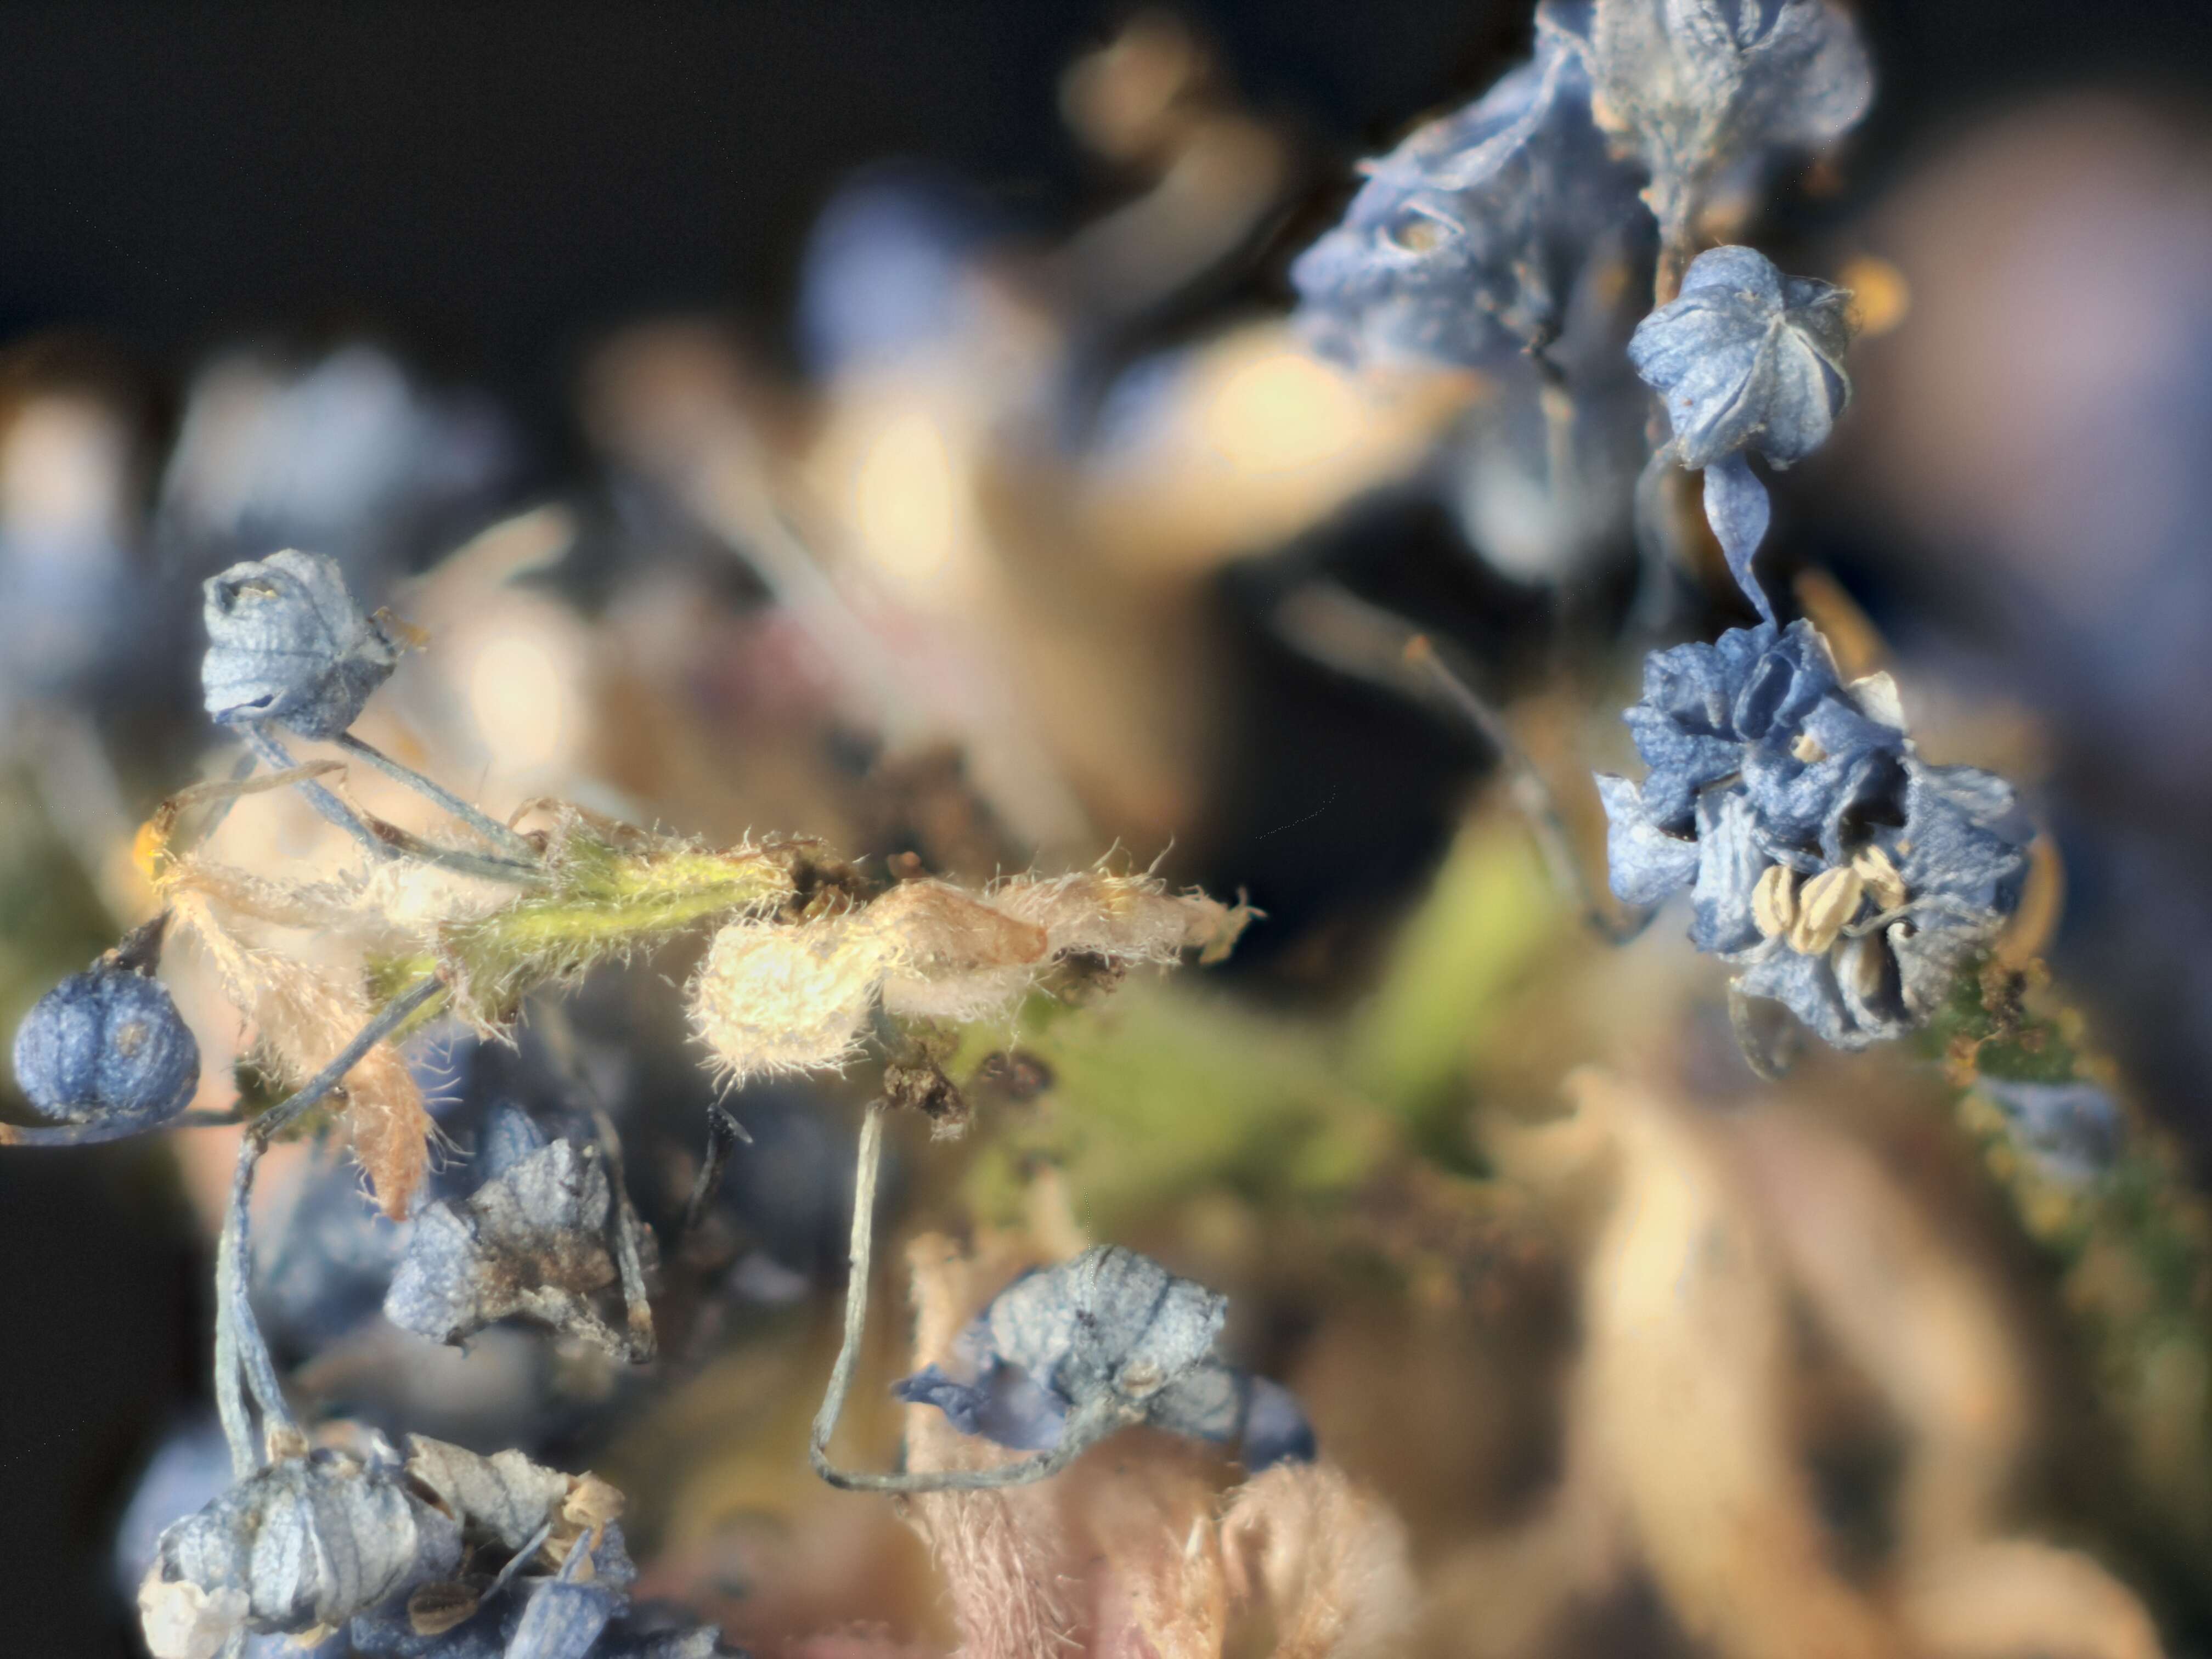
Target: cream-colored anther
pixel 1824 904
pixel 1880 877
pixel 1774 901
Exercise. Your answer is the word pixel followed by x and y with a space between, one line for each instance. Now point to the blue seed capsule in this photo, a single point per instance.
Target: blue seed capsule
pixel 106 1049
pixel 288 644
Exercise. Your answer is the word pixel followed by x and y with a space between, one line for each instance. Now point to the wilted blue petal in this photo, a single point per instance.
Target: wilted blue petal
pixel 565 1616
pixel 1737 508
pixel 1466 240
pixel 1730 860
pixel 1646 864
pixel 1806 987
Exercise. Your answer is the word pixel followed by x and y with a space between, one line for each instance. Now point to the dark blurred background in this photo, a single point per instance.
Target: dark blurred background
pixel 487 188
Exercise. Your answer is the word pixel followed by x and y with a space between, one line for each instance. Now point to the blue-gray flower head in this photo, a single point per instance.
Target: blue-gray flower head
pixel 1747 356
pixel 307 1542
pixel 1107 1326
pixel 287 643
pixel 1846 878
pixel 1463 245
pixel 1699 87
pixel 532 1242
pixel 107 1049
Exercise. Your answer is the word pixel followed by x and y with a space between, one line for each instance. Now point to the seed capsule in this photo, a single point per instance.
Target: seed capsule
pixel 1880 875
pixel 107 1047
pixel 1774 901
pixel 287 643
pixel 1826 902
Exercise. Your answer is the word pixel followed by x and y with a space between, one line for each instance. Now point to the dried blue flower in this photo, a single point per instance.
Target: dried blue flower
pixel 287 644
pixel 1848 879
pixel 1701 86
pixel 1745 359
pixel 1465 242
pixel 105 1053
pixel 304 1543
pixel 531 1242
pixel 1746 356
pixel 1110 1329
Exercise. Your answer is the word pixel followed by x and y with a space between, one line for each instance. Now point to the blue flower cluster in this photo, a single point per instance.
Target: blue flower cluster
pixel 1845 876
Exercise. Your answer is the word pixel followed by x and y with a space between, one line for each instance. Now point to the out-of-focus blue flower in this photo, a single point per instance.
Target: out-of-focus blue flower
pixel 347 451
pixel 889 265
pixel 106 1052
pixel 1745 359
pixel 2073 1130
pixel 1465 242
pixel 287 643
pixel 1701 86
pixel 1109 1325
pixel 1847 879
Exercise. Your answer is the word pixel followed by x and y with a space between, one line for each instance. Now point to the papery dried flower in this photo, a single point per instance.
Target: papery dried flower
pixel 1108 1327
pixel 1746 359
pixel 105 1051
pixel 288 644
pixel 532 1241
pixel 300 1545
pixel 1699 87
pixel 1762 760
pixel 1466 240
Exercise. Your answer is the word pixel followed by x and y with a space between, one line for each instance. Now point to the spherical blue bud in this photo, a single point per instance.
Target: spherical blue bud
pixel 287 643
pixel 106 1049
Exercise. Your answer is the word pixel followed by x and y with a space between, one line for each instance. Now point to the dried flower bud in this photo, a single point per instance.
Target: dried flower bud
pixel 1747 356
pixel 287 643
pixel 304 1543
pixel 1109 1327
pixel 530 1241
pixel 106 1049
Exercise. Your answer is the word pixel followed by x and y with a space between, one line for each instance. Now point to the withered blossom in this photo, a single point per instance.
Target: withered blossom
pixel 1108 1328
pixel 288 644
pixel 1698 88
pixel 1745 359
pixel 532 1241
pixel 301 1545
